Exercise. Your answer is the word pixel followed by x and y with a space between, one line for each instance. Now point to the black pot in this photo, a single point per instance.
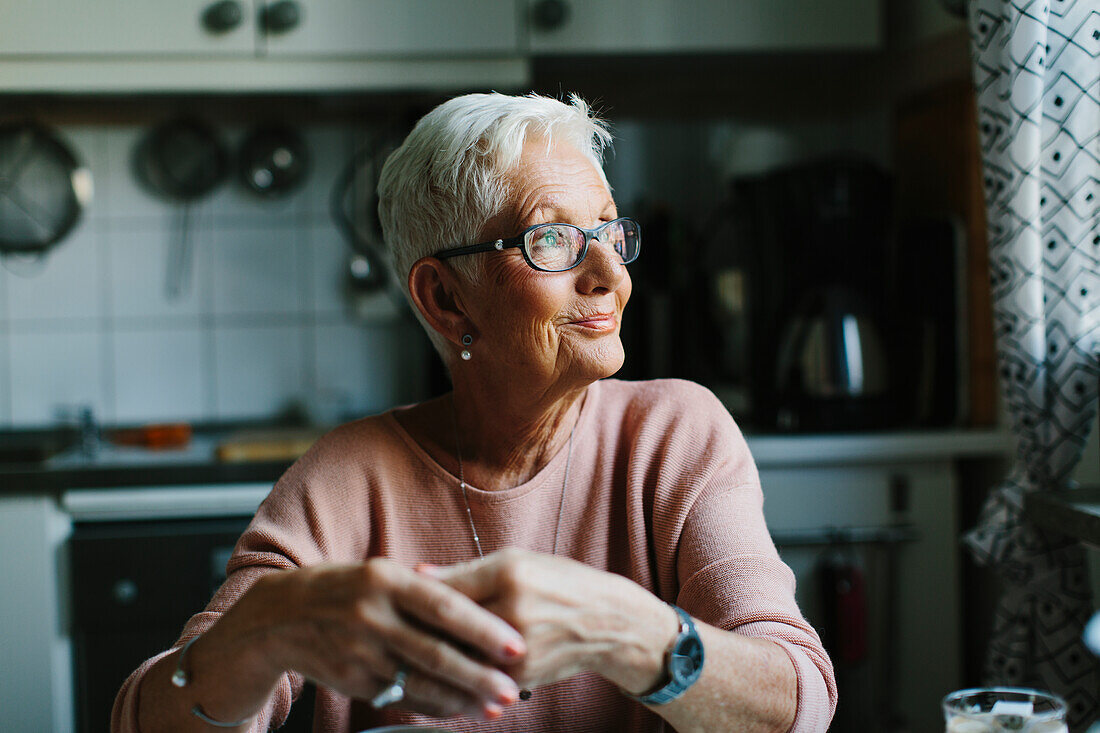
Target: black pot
pixel 272 161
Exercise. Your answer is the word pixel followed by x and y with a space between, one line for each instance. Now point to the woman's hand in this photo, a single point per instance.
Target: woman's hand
pixel 573 617
pixel 349 627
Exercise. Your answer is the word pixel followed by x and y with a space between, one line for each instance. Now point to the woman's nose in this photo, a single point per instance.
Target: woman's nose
pixel 602 267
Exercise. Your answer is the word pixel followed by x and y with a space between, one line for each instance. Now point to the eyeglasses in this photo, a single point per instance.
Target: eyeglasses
pixel 561 247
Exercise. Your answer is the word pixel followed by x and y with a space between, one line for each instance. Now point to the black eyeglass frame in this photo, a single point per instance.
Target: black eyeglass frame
pixel 521 239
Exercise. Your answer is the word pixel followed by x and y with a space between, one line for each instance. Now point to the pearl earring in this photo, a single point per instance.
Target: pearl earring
pixel 466 341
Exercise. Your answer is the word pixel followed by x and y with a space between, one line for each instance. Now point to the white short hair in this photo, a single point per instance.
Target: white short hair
pixel 446 181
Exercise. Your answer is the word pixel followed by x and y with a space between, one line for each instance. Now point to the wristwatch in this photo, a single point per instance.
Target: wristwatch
pixel 683 664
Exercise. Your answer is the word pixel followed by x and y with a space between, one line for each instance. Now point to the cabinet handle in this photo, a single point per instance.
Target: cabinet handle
pixel 223 16
pixel 549 15
pixel 281 16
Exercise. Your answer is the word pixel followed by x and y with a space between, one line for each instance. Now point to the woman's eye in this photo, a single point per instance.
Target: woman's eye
pixel 550 239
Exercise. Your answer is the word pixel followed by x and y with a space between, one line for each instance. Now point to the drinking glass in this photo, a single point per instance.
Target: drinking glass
pixel 1002 709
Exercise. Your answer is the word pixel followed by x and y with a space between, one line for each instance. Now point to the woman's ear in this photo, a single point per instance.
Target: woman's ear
pixel 434 290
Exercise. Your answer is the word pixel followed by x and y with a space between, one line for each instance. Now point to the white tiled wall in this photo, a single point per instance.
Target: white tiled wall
pixel 261 322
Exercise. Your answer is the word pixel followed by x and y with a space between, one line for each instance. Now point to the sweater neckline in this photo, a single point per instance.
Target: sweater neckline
pixel 552 469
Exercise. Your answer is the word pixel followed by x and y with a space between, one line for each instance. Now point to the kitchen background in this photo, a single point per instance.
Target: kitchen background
pixel 261 324
pixel 269 327
pixel 266 322
pixel 266 319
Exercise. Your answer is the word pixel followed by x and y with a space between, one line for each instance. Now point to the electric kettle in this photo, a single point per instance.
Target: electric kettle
pixel 832 365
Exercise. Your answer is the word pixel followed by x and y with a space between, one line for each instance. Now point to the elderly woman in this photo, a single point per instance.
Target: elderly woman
pixel 536 550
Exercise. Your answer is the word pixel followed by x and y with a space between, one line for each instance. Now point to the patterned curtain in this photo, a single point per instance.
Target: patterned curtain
pixel 1036 67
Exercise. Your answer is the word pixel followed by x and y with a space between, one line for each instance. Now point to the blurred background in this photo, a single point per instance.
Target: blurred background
pixel 193 288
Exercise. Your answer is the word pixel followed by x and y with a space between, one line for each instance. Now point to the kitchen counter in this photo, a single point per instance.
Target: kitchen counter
pixel 881 447
pixel 197 464
pixel 117 466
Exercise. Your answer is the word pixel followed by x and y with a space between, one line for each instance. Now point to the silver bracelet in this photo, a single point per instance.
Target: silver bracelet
pixel 180 678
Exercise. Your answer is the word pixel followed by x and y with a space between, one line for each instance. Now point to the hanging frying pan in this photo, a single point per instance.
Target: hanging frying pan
pixel 181 160
pixel 43 189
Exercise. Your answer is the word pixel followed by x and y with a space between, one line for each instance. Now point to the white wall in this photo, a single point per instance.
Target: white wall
pixel 262 324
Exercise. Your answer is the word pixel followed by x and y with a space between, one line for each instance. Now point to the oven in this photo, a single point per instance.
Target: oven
pixel 134 584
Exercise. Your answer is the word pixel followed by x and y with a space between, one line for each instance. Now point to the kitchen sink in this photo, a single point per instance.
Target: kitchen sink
pixel 35 446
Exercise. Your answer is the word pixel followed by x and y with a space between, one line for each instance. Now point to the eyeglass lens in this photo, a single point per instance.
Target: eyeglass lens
pixel 557 247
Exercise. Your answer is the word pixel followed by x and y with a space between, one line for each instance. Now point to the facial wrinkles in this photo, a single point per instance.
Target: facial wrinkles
pixel 536 330
pixel 577 205
pixel 556 188
pixel 559 184
pixel 515 282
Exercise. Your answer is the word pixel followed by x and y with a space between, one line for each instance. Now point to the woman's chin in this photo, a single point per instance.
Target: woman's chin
pixel 602 360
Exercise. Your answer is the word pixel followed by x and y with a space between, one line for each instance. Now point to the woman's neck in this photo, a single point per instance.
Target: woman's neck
pixel 502 443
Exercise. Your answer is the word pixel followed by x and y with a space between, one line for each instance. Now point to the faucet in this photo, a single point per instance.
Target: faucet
pixel 89 432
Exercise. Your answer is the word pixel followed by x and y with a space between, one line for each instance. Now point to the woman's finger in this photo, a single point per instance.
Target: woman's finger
pixel 361 670
pixel 431 696
pixel 436 658
pixel 443 608
pixel 364 674
pixel 478 580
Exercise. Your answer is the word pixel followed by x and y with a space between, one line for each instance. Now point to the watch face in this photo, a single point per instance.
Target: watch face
pixel 687 660
pixel 681 666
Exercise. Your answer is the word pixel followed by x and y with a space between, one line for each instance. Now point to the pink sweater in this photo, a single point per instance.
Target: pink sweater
pixel 662 489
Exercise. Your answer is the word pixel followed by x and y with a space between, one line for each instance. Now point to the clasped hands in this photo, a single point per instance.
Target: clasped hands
pixel 471 635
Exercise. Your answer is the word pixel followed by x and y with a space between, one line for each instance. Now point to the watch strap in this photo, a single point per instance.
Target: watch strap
pixel 673 685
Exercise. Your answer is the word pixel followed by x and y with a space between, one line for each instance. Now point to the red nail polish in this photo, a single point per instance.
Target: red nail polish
pixel 513 649
pixel 506 698
pixel 426 568
pixel 491 711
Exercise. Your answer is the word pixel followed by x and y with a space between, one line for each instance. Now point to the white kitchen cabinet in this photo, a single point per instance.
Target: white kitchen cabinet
pixel 398 28
pixel 120 28
pixel 560 27
pixel 36 692
pixel 114 46
pixel 313 28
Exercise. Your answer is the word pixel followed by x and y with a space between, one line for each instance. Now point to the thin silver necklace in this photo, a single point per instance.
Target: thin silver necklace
pixel 465 496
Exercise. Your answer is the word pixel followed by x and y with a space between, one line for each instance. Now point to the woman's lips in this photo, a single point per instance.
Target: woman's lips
pixel 601 322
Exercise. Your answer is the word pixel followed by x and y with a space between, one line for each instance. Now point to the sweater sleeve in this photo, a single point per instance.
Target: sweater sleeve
pixel 727 570
pixel 307 519
pixel 736 587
